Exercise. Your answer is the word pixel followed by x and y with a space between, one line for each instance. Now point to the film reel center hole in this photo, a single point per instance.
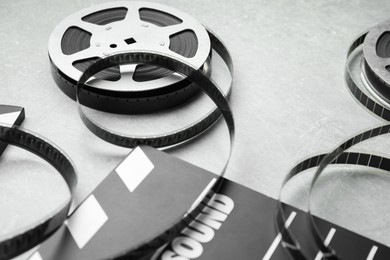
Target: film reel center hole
pixel 130 41
pixel 113 45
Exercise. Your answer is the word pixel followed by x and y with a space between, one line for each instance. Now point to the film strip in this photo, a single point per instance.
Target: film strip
pixel 39 146
pixel 337 156
pixel 171 63
pixel 367 77
pixel 196 76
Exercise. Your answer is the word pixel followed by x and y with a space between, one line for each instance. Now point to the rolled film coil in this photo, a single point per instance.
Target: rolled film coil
pixel 196 76
pixel 337 156
pixel 166 139
pixel 39 146
pixel 367 77
pixel 101 30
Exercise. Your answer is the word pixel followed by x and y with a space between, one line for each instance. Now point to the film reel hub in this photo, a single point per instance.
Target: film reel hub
pixel 118 36
pixel 102 30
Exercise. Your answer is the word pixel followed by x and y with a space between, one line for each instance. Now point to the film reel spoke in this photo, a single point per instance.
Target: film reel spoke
pixel 132 17
pixel 89 27
pixel 127 75
pixel 85 54
pixel 176 28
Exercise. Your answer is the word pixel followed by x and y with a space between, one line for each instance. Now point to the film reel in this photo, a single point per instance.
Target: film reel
pixel 32 142
pixel 367 70
pixel 101 30
pixel 376 50
pixel 367 77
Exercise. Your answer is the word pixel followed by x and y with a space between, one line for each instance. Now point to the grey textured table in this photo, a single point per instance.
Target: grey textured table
pixel 289 100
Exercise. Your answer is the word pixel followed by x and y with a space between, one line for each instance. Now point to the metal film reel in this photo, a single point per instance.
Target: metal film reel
pixel 367 71
pixel 376 67
pixel 98 31
pixel 367 76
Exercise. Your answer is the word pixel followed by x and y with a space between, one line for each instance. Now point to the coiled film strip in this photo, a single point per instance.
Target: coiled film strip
pixel 101 30
pixel 171 63
pixel 32 142
pixel 196 76
pixel 337 156
pixel 367 77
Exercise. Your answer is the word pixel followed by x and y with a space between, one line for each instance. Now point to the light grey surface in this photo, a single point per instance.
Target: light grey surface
pixel 289 99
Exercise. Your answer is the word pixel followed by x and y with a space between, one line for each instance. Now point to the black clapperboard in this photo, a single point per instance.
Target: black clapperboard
pixel 11 115
pixel 145 193
pixel 237 223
